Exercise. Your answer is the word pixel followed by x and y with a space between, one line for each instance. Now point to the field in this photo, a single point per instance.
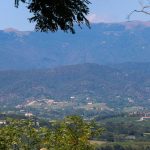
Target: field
pixel 135 145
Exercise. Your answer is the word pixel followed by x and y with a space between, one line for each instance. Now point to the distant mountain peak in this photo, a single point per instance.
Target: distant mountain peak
pixel 11 30
pixel 16 31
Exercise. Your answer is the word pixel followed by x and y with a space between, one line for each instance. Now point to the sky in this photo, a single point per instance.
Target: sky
pixel 100 11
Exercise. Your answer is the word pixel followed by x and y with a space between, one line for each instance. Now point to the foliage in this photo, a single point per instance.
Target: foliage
pixel 125 128
pixel 72 133
pixel 50 15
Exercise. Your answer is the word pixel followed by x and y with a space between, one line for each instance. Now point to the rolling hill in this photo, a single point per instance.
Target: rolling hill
pixel 115 86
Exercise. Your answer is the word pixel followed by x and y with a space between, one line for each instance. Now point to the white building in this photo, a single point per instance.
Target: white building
pixel 28 114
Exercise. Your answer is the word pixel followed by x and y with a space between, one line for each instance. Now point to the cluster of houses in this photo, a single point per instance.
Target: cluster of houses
pixel 145 117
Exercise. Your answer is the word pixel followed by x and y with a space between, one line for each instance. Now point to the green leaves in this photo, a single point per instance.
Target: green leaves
pixel 51 15
pixel 72 133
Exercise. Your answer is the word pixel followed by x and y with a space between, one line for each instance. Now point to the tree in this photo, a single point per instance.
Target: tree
pixel 19 134
pixel 51 15
pixel 71 133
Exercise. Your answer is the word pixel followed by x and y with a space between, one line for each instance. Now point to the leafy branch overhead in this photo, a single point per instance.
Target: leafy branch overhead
pixel 51 15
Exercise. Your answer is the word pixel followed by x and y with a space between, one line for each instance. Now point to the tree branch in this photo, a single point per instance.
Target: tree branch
pixel 144 9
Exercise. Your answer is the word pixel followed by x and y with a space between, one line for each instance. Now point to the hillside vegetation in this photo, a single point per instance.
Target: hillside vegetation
pixel 116 85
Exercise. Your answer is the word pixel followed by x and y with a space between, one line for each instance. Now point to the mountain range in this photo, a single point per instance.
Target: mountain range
pixel 104 43
pixel 108 63
pixel 117 85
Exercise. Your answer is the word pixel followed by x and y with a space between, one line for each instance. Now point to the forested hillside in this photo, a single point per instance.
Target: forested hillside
pixel 115 85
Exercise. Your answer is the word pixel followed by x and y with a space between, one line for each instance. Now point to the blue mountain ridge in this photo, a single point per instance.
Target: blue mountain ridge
pixel 104 43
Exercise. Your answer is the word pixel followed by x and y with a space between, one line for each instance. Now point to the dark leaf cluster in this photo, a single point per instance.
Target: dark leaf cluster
pixel 51 15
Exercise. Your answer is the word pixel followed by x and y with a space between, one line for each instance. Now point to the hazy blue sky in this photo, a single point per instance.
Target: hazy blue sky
pixel 101 11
